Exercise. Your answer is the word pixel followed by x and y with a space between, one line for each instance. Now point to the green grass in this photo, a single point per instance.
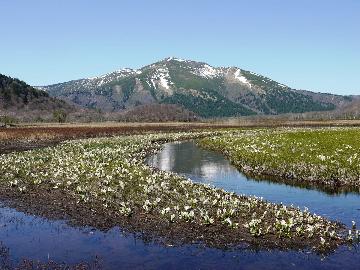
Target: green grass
pixel 329 156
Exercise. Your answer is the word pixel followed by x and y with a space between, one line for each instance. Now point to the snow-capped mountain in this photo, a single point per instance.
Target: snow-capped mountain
pixel 206 90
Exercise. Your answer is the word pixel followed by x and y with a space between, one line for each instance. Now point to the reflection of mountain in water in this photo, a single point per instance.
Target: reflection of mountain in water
pixel 186 158
pixel 209 167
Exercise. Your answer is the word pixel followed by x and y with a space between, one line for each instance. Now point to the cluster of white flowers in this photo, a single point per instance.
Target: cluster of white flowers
pixel 112 171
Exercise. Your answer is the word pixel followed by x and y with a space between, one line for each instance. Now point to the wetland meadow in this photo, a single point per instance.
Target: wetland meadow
pixel 189 193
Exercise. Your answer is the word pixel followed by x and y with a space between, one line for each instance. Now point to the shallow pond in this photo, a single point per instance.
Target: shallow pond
pixel 35 238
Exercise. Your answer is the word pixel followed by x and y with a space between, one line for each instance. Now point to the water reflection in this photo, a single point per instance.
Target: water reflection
pixel 186 158
pixel 210 167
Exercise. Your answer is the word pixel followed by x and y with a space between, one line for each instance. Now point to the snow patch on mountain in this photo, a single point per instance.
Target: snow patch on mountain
pixel 164 82
pixel 241 78
pixel 117 73
pixel 153 83
pixel 207 71
pixel 175 59
pixel 161 77
pixel 109 77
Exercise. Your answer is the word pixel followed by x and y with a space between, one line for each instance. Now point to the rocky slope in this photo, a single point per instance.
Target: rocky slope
pixel 205 90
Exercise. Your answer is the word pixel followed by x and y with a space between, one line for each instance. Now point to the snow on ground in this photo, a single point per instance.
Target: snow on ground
pixel 161 77
pixel 164 78
pixel 153 83
pixel 176 59
pixel 163 82
pixel 207 71
pixel 241 77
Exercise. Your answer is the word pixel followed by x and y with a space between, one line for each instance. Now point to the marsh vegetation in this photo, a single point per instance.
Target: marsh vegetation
pixel 109 173
pixel 327 157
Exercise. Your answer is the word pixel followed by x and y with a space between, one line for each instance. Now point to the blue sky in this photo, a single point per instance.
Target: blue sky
pixel 306 44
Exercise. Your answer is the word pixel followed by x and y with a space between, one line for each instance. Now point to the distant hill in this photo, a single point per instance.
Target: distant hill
pixel 23 101
pixel 198 87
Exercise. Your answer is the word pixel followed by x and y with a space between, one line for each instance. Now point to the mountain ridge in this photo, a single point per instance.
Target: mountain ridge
pixel 197 86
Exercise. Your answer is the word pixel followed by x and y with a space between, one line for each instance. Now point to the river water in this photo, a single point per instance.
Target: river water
pixel 36 238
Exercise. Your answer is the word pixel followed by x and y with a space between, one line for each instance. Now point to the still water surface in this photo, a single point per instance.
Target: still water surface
pixel 25 236
pixel 212 168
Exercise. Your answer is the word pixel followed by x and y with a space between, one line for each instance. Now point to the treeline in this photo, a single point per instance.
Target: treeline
pixel 292 102
pixel 209 104
pixel 22 102
pixel 14 92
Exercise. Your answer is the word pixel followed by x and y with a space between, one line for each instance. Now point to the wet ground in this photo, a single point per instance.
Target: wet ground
pixel 35 238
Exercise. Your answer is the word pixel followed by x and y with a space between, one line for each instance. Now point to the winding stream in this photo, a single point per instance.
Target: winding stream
pixel 209 167
pixel 36 238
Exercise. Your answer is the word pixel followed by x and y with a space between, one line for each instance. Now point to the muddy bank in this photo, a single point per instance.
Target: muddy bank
pixel 56 204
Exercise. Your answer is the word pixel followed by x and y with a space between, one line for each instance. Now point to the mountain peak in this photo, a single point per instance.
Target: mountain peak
pixel 197 86
pixel 173 58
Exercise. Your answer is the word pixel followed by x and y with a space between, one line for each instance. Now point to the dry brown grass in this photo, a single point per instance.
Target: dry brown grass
pixel 54 131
